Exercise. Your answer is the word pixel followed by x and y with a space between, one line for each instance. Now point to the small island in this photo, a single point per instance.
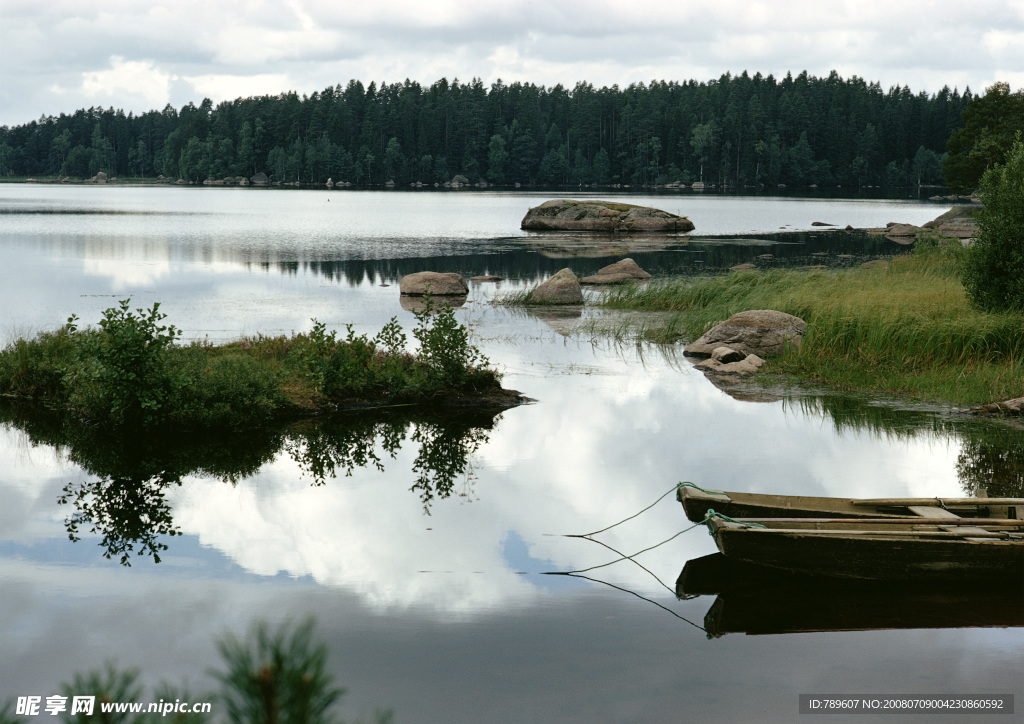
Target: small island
pixel 573 215
pixel 130 373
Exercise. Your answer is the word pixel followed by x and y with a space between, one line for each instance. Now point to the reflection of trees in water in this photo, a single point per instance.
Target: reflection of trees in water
pixel 126 502
pixel 445 445
pixel 993 462
pixel 991 455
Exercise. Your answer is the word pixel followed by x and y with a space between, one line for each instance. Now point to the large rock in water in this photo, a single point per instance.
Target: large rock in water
pixel 573 215
pixel 562 288
pixel 436 284
pixel 763 332
pixel 617 273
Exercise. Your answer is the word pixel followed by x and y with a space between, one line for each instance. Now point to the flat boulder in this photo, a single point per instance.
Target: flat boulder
pixel 761 332
pixel 437 284
pixel 617 273
pixel 574 215
pixel 562 288
pixel 727 361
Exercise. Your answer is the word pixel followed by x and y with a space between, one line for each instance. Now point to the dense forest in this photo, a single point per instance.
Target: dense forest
pixel 734 131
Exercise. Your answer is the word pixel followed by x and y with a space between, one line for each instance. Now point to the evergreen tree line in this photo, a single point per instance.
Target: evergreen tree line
pixel 734 131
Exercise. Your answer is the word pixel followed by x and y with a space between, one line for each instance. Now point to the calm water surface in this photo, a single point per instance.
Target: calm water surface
pixel 429 587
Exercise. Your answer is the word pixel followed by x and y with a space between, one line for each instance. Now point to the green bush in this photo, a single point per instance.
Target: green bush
pixel 993 270
pixel 130 372
pixel 122 376
pixel 445 348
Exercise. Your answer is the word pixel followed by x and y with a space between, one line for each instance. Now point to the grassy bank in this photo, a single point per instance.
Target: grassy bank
pixel 905 329
pixel 132 371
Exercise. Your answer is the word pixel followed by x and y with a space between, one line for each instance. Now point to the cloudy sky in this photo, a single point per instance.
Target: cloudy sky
pixel 61 55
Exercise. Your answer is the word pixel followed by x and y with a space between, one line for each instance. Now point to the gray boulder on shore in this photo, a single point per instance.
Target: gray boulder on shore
pixel 574 215
pixel 761 332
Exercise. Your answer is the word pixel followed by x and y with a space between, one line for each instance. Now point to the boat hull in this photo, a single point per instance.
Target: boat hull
pixel 696 503
pixel 857 555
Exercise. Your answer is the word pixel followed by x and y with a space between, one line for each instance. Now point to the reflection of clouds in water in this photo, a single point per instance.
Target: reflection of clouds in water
pixel 166 626
pixel 373 539
pixel 125 263
pixel 549 469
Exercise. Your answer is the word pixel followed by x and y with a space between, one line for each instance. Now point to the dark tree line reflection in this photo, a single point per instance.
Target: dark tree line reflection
pixel 125 499
pixel 991 457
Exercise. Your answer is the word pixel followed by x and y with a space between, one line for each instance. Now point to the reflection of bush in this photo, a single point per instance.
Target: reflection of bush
pixel 125 502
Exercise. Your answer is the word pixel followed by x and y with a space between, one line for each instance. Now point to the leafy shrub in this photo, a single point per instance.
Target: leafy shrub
pixel 123 376
pixel 993 270
pixel 445 348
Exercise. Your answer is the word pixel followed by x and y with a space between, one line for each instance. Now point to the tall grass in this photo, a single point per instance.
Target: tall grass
pixel 903 329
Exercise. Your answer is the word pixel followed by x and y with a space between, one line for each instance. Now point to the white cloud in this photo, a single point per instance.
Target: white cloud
pixel 132 77
pixel 228 87
pixel 62 55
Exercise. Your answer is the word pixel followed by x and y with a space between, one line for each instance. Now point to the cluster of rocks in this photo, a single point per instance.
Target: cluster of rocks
pixel 564 287
pixel 573 215
pixel 739 345
pixel 957 223
pixel 227 181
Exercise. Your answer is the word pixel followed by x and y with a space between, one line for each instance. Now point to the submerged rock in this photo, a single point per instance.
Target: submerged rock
pixel 573 215
pixel 562 288
pixel 762 332
pixel 438 284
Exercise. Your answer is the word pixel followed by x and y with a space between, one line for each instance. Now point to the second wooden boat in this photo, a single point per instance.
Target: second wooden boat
pixel 696 502
pixel 940 549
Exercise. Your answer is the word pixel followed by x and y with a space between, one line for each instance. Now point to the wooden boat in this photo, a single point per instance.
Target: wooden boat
pixel 697 502
pixel 943 548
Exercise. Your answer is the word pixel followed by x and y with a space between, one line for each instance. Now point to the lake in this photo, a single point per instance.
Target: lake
pixel 422 544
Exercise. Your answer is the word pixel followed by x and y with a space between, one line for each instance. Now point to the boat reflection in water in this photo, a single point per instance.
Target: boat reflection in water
pixel 758 600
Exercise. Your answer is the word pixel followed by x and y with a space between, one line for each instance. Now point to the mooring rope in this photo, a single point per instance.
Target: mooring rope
pixel 630 558
pixel 671 490
pixel 711 513
pixel 632 593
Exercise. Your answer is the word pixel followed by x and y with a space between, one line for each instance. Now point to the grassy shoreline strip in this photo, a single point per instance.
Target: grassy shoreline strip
pixel 131 371
pixel 906 329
